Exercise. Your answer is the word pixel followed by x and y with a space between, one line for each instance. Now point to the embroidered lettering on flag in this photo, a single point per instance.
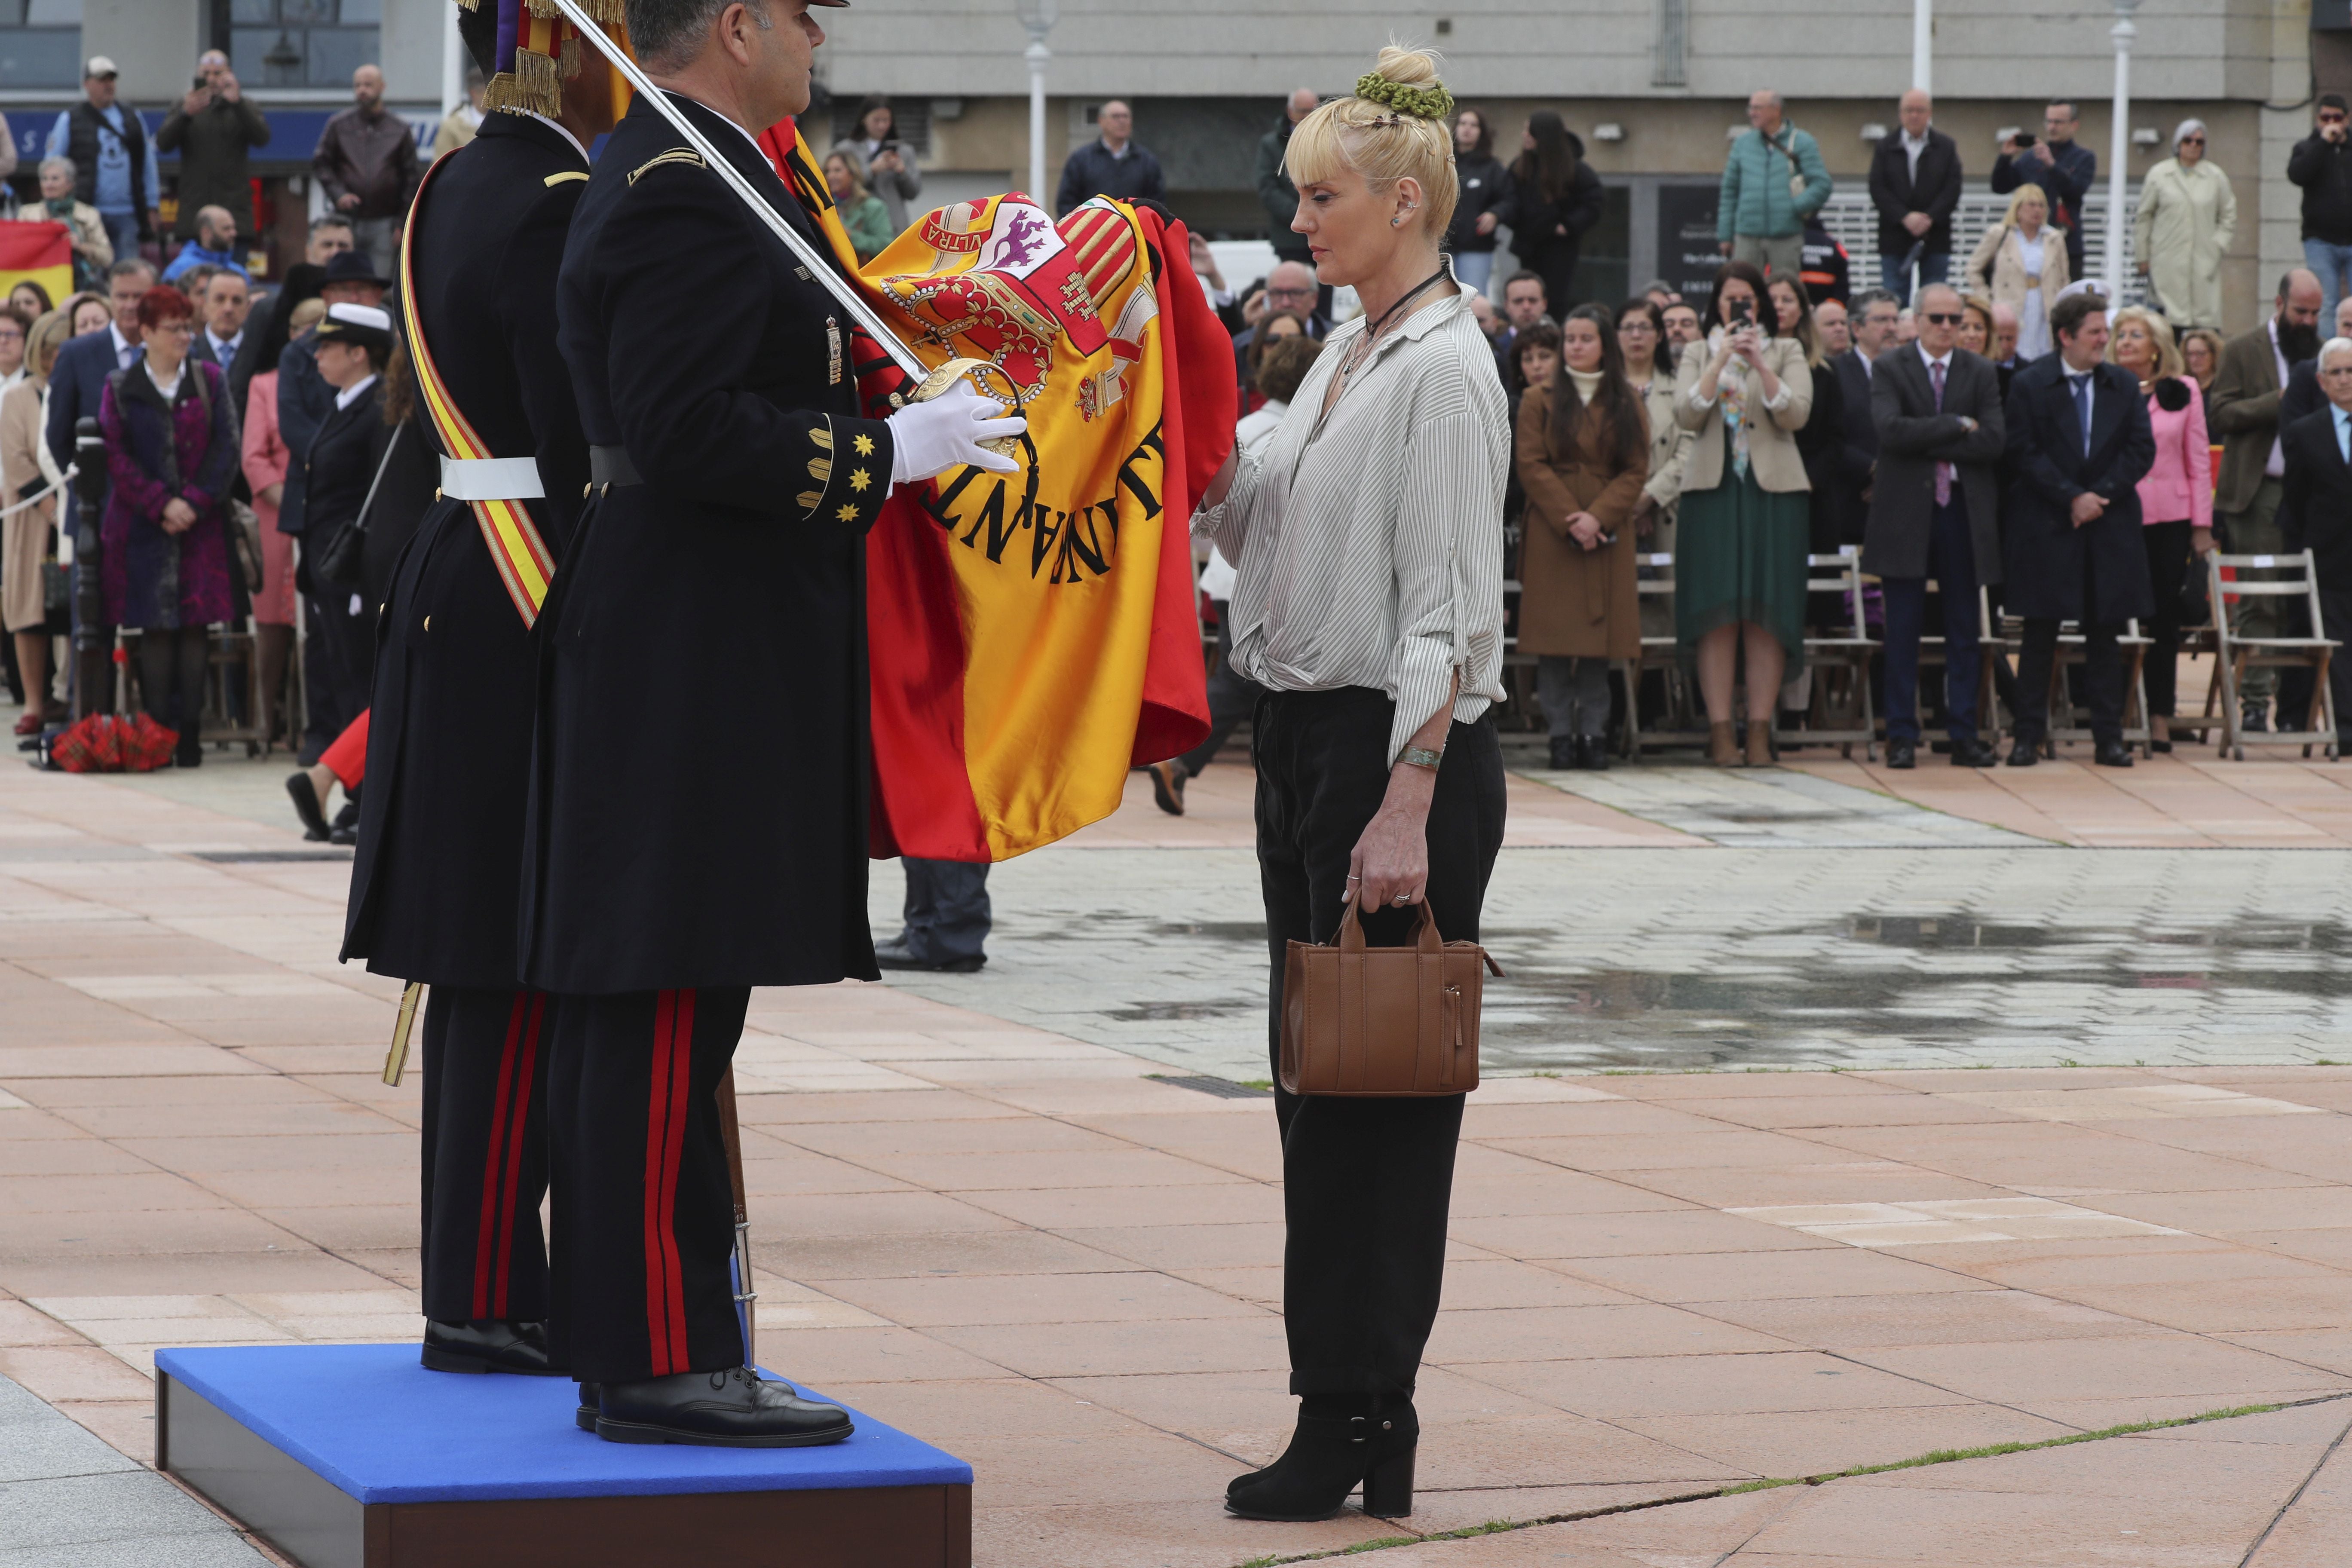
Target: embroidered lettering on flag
pixel 1033 636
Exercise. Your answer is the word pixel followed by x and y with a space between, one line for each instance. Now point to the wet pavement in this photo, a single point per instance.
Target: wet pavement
pixel 1731 958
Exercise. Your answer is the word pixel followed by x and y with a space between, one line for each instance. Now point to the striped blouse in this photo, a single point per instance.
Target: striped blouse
pixel 1369 542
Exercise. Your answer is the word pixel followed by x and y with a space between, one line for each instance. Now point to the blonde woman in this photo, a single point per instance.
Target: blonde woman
pixel 2176 494
pixel 26 466
pixel 1740 542
pixel 2022 263
pixel 1368 545
pixel 2187 216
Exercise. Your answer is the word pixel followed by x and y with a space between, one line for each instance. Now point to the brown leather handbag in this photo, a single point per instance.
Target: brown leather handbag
pixel 1385 1021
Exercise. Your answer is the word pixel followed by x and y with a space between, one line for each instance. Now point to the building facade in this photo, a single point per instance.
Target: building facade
pixel 1652 86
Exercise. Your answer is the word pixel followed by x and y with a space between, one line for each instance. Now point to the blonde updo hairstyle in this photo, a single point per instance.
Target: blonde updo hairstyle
pixel 1384 138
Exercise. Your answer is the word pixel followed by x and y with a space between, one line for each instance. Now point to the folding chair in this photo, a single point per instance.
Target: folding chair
pixel 2065 723
pixel 2235 655
pixel 1842 707
pixel 1661 653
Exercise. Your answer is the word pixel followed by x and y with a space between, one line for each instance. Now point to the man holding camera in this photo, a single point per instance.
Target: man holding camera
pixel 212 129
pixel 2061 166
pixel 2322 164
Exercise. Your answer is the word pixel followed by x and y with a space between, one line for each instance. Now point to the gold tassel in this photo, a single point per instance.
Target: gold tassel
pixel 531 88
pixel 470 4
pixel 567 59
pixel 543 10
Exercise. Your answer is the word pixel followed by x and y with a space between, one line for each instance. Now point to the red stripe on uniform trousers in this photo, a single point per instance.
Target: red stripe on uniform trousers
pixel 486 1234
pixel 515 1145
pixel 672 1152
pixel 657 1126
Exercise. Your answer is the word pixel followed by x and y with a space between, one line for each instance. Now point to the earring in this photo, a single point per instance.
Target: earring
pixel 1394 221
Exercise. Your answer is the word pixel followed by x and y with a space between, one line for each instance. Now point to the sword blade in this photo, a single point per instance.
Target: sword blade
pixel 820 266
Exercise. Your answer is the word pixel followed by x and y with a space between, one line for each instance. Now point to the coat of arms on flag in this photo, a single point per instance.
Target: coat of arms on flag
pixel 1033 635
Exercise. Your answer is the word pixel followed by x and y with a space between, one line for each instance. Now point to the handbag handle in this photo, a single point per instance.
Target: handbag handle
pixel 1351 932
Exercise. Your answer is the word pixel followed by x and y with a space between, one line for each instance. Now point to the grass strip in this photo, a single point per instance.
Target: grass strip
pixel 1933 1456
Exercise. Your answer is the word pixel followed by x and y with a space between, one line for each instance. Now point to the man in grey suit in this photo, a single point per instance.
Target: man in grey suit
pixel 1937 410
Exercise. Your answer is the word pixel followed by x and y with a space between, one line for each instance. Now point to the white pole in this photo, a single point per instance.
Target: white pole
pixel 2119 151
pixel 1923 45
pixel 453 63
pixel 1037 55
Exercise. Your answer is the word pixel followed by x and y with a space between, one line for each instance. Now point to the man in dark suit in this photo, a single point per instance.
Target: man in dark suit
pixel 2318 496
pixel 2242 413
pixel 736 478
pixel 1872 326
pixel 1914 184
pixel 1932 513
pixel 223 307
pixel 2079 441
pixel 438 867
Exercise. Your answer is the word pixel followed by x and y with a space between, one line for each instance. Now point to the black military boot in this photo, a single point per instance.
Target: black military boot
pixel 730 1409
pixel 487 1344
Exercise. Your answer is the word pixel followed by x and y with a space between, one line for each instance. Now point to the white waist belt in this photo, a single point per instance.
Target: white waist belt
pixel 491 478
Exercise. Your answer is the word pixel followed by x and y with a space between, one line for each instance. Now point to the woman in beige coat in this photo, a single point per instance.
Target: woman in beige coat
pixel 1650 372
pixel 1745 521
pixel 25 465
pixel 2022 263
pixel 1583 455
pixel 2187 216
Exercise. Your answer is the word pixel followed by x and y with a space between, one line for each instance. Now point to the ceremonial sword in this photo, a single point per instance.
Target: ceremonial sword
pixel 929 382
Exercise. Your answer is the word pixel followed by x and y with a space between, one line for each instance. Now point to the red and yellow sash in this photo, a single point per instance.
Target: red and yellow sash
pixel 516 546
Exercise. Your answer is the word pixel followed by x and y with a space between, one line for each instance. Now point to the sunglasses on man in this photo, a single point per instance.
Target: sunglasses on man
pixel 1944 317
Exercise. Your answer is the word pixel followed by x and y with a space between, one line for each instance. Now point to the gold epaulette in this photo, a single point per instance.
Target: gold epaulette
pixel 567 176
pixel 675 155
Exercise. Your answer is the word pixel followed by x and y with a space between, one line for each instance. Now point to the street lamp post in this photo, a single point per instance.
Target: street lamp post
pixel 453 63
pixel 1923 45
pixel 2119 150
pixel 1038 17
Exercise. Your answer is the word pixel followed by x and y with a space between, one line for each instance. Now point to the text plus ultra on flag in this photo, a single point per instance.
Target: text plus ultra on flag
pixel 1033 635
pixel 38 252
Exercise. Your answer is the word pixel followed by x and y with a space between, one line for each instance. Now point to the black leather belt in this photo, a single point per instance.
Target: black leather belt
pixel 610 466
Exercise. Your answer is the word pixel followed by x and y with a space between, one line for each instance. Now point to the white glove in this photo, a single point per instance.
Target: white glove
pixel 930 439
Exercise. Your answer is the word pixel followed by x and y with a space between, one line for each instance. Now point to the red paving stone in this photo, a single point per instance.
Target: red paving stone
pixel 1022 1246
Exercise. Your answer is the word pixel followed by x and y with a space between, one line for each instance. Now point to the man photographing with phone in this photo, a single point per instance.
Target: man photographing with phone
pixel 212 129
pixel 2322 164
pixel 2061 166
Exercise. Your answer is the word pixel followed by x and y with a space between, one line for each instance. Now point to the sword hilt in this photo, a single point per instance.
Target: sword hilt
pixel 974 369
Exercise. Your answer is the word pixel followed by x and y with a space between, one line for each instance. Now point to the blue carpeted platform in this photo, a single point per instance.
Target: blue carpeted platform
pixel 378 1426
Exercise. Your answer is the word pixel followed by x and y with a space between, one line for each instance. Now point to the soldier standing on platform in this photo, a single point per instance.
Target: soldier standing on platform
pixel 717 575
pixel 438 867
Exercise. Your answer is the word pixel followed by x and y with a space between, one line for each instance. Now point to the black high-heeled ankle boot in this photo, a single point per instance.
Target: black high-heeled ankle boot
pixel 1328 1455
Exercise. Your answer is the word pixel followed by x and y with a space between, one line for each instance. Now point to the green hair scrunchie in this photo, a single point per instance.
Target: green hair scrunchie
pixel 1420 102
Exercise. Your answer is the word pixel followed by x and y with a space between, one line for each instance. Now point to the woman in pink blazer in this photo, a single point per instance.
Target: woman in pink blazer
pixel 265 457
pixel 2176 498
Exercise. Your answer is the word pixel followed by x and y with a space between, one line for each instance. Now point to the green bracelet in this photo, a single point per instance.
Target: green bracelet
pixel 1422 757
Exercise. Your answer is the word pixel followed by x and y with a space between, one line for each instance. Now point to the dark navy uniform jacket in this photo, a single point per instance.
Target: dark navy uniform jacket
pixel 439 863
pixel 698 794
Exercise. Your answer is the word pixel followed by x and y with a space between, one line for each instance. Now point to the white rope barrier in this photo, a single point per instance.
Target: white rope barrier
pixel 37 499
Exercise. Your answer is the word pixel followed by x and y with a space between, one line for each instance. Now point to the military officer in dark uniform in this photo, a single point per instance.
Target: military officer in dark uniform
pixel 438 864
pixel 718 575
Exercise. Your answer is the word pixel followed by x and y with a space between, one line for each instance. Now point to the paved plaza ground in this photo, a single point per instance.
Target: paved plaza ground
pixel 1836 1119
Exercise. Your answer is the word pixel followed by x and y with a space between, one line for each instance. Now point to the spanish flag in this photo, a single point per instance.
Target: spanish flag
pixel 1033 636
pixel 39 253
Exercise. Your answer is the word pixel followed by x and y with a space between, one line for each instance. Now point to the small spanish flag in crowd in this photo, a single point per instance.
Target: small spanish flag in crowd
pixel 41 253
